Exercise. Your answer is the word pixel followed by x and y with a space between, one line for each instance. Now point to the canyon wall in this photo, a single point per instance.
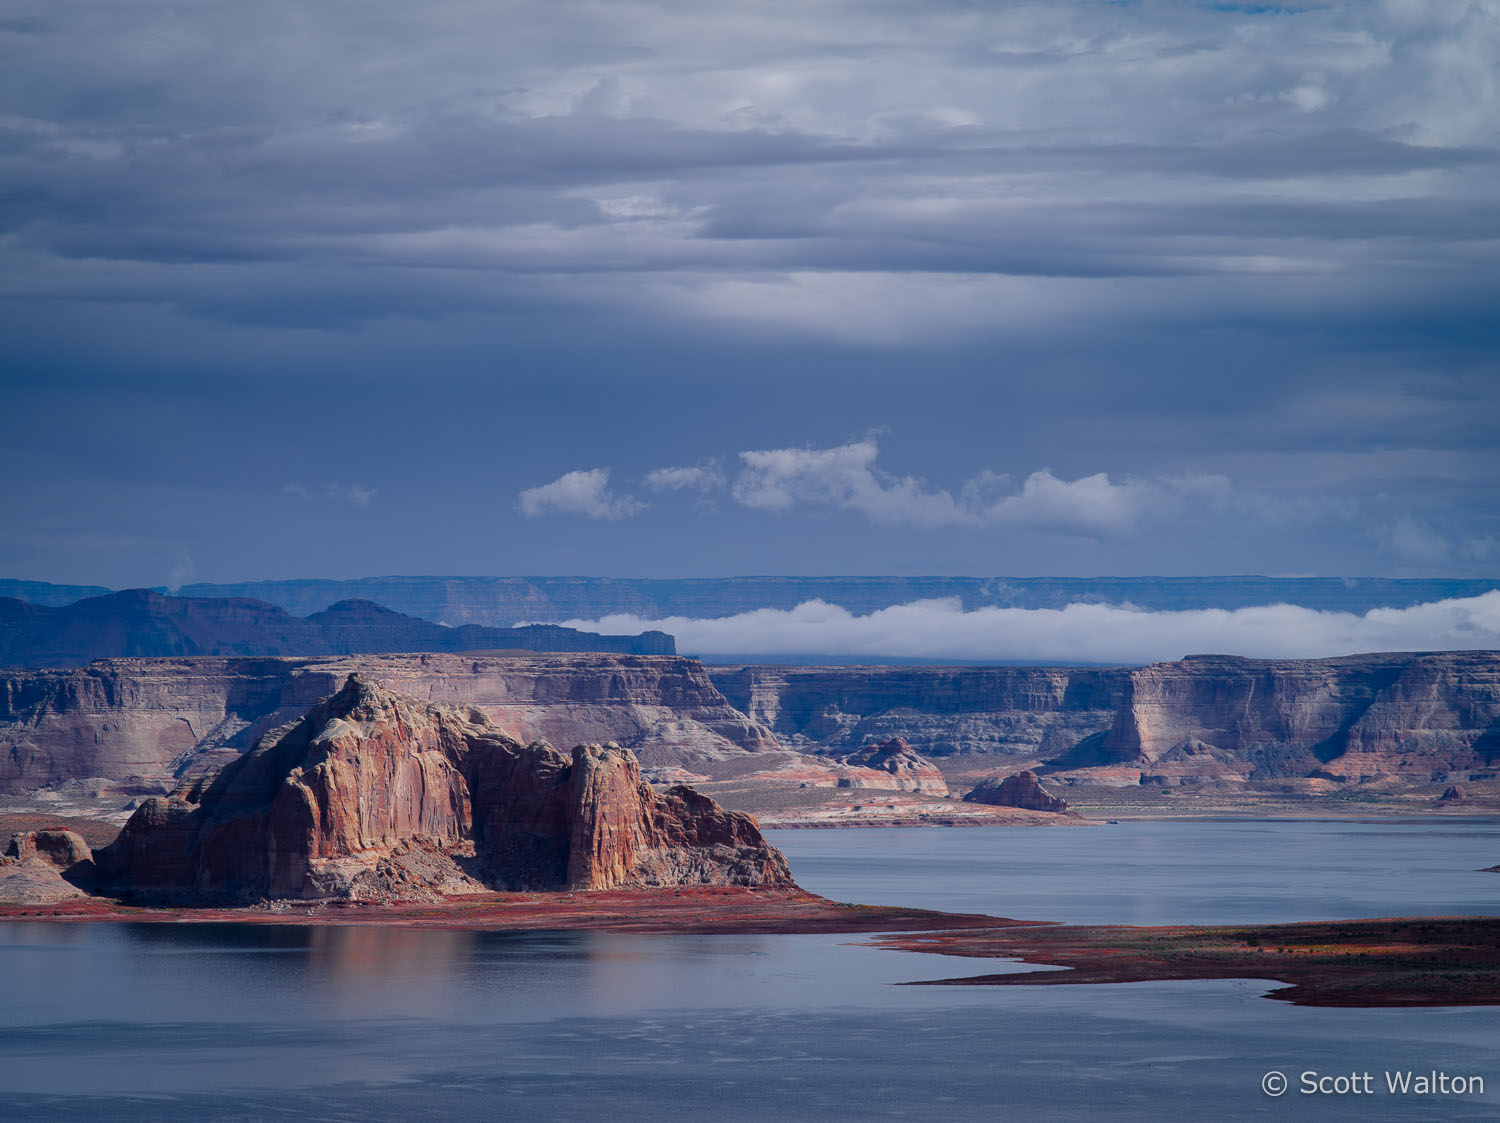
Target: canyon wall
pixel 939 711
pixel 145 723
pixel 142 725
pixel 1419 716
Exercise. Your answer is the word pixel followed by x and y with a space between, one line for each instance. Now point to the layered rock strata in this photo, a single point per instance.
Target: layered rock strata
pixel 1388 722
pixel 939 711
pixel 145 724
pixel 1418 717
pixel 373 795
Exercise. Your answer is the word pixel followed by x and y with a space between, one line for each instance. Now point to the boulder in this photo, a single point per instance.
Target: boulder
pixel 1020 790
pixel 892 765
pixel 60 848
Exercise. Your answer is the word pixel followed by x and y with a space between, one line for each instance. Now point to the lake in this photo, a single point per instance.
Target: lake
pixel 231 1022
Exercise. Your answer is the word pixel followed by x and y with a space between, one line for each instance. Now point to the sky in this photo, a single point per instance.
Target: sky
pixel 671 289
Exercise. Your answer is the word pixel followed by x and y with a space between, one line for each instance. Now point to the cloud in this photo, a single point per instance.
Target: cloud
pixel 847 477
pixel 181 573
pixel 578 493
pixel 852 172
pixel 703 477
pixel 352 493
pixel 1093 506
pixel 844 477
pixel 1078 633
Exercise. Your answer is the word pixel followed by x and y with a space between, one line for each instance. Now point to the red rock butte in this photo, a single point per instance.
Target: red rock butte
pixel 377 796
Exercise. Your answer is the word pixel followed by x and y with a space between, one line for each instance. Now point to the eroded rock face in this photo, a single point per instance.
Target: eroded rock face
pixel 1023 789
pixel 45 867
pixel 1403 717
pixel 376 795
pixel 146 724
pixel 939 711
pixel 63 849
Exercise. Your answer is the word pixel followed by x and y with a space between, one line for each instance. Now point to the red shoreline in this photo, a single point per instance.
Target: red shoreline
pixel 690 910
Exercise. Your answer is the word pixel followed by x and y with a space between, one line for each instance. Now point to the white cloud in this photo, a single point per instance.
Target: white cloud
pixel 182 572
pixel 353 493
pixel 846 477
pixel 699 477
pixel 1093 506
pixel 578 493
pixel 1088 633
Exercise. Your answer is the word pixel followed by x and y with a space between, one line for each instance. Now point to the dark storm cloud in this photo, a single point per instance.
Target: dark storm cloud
pixel 1074 141
pixel 1147 242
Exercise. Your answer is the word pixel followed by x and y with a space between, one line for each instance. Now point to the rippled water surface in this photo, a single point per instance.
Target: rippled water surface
pixel 215 1021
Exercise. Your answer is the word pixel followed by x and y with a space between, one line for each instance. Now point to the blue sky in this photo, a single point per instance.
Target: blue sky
pixel 666 289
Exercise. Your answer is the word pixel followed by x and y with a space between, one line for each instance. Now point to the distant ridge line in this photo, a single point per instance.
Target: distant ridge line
pixel 507 601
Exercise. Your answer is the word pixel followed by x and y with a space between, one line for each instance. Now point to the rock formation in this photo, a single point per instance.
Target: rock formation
pixel 893 765
pixel 144 724
pixel 939 711
pixel 143 623
pixel 64 849
pixel 1365 717
pixel 373 795
pixel 1023 790
pixel 43 867
pixel 1390 723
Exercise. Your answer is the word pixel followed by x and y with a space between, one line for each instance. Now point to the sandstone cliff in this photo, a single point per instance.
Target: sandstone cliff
pixel 939 711
pixel 1391 722
pixel 373 795
pixel 1419 716
pixel 146 723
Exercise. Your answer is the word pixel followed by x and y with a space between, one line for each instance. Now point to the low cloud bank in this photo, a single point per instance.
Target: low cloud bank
pixel 1078 633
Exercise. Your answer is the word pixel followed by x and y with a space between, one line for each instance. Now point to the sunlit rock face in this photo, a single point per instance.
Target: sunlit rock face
pixel 377 796
pixel 1395 716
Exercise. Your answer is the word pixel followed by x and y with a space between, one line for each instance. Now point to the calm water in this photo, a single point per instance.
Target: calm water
pixel 134 1022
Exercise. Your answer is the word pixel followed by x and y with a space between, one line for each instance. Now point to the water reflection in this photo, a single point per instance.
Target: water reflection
pixel 226 1021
